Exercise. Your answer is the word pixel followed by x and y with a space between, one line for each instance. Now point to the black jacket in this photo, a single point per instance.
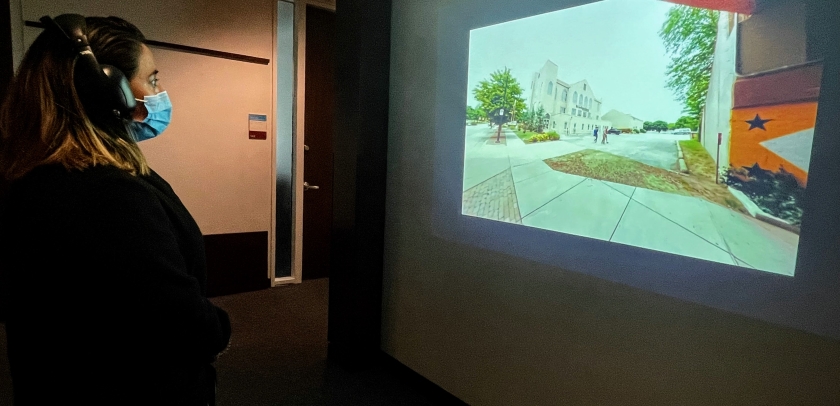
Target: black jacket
pixel 103 291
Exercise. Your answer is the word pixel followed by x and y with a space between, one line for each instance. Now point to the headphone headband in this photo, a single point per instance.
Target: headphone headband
pixel 103 89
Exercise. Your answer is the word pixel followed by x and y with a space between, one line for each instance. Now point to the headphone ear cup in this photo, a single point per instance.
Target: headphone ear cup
pixel 104 90
pixel 117 92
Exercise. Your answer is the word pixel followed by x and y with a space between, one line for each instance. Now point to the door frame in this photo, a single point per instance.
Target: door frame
pixel 297 144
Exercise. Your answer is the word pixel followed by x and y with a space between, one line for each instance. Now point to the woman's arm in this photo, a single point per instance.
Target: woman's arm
pixel 137 246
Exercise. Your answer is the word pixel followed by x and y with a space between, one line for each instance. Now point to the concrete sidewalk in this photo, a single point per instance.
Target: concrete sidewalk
pixel 512 183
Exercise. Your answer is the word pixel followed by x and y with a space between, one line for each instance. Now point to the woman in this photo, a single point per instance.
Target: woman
pixel 103 267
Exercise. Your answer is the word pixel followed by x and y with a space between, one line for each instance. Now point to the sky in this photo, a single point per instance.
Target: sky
pixel 613 44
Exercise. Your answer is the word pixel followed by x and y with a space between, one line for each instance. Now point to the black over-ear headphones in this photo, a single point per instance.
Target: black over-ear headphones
pixel 103 89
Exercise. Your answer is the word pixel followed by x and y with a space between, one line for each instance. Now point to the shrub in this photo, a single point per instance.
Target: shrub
pixel 642 131
pixel 550 136
pixel 777 193
pixel 635 131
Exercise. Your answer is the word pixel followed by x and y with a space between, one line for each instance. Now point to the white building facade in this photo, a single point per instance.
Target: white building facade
pixel 720 99
pixel 623 121
pixel 572 108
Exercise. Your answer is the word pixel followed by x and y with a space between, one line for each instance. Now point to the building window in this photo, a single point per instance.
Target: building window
pixel 550 87
pixel 566 127
pixel 575 98
pixel 574 111
pixel 565 95
pixel 584 86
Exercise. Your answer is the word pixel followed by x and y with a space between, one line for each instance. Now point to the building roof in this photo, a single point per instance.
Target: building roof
pixel 624 114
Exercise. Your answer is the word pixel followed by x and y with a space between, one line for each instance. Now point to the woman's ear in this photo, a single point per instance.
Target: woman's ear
pixel 140 113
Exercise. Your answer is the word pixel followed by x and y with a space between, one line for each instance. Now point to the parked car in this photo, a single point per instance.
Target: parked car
pixel 682 131
pixel 613 131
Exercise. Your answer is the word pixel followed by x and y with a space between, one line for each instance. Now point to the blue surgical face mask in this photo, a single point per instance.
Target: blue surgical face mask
pixel 160 112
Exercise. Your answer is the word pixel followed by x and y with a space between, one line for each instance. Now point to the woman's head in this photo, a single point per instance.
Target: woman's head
pixel 117 42
pixel 43 119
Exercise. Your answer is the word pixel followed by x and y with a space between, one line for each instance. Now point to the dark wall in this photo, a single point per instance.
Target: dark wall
pixel 363 55
pixel 6 66
pixel 236 263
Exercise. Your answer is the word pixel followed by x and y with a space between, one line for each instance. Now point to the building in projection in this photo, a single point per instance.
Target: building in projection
pixel 761 105
pixel 623 121
pixel 569 108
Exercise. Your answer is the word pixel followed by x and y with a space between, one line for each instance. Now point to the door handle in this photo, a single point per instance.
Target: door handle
pixel 305 147
pixel 306 186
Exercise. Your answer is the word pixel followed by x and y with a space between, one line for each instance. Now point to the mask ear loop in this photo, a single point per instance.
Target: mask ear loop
pixel 144 101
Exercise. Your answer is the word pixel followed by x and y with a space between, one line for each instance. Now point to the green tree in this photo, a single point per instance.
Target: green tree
pixel 688 122
pixel 523 118
pixel 539 121
pixel 475 114
pixel 501 90
pixel 532 120
pixel 648 126
pixel 689 34
pixel 659 125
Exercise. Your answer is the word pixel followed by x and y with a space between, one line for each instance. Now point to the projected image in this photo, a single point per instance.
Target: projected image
pixel 665 126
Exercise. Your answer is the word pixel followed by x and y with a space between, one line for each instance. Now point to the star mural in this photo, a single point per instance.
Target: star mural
pixel 758 122
pixel 786 143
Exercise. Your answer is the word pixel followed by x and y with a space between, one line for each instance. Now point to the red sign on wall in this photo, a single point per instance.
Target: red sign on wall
pixel 257 126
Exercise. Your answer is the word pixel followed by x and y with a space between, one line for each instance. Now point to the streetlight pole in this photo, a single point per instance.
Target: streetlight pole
pixel 504 106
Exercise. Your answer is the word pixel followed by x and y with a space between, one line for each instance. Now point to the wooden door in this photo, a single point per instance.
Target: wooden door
pixel 319 131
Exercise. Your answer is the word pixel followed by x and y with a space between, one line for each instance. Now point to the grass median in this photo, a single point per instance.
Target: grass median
pixel 524 135
pixel 602 165
pixel 698 160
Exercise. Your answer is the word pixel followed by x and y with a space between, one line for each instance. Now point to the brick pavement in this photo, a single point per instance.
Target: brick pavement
pixel 493 199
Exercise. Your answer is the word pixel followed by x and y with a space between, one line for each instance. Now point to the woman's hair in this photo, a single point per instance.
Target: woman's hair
pixel 115 42
pixel 43 121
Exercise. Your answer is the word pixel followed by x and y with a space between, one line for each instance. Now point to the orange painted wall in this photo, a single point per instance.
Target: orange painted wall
pixel 745 145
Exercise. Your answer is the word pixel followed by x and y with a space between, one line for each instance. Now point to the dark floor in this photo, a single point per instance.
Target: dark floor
pixel 278 356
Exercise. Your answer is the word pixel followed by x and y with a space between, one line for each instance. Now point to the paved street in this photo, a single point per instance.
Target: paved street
pixel 651 148
pixel 510 182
